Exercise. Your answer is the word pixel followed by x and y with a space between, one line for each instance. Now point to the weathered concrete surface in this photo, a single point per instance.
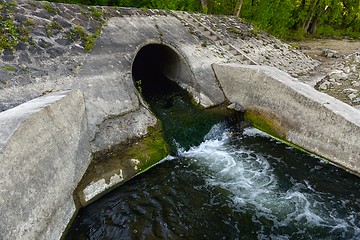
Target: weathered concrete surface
pixel 114 109
pixel 312 120
pixel 44 151
pixel 57 61
pixel 123 162
pixel 106 76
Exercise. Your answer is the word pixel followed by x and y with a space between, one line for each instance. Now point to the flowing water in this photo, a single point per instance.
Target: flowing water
pixel 231 184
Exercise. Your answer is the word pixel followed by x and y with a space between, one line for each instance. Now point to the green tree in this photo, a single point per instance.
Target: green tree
pixel 283 18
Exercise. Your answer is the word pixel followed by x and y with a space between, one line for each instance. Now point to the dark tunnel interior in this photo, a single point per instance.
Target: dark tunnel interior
pixel 153 67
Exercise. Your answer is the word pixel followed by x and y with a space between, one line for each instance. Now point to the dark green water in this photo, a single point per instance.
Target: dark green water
pixel 223 182
pixel 184 123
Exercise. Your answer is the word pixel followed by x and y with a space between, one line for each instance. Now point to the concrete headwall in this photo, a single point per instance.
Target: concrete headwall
pixel 46 143
pixel 295 112
pixel 44 152
pixel 106 78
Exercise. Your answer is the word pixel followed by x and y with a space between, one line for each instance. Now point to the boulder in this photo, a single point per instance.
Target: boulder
pixel 330 53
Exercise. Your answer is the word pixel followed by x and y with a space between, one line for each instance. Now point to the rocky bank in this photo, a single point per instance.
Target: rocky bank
pixel 58 38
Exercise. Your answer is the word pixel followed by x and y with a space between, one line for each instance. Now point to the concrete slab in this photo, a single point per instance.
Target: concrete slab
pixel 295 112
pixel 44 151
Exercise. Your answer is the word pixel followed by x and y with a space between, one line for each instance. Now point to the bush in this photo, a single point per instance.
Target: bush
pixel 327 32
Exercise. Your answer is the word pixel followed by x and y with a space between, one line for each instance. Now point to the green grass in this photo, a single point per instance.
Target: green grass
pixel 49 8
pixel 97 14
pixel 29 23
pixel 10 33
pixel 233 30
pixel 89 43
pixel 79 31
pixel 32 3
pixel 51 26
pixel 9 68
pixel 79 34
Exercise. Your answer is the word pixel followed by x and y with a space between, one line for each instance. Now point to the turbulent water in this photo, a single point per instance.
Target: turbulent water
pixel 234 185
pixel 221 182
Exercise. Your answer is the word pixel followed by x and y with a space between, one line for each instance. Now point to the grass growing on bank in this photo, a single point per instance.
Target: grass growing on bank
pixel 10 33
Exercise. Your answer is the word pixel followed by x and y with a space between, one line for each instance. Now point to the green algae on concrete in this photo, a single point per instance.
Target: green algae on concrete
pixel 268 123
pixel 114 166
pixel 265 121
pixel 149 150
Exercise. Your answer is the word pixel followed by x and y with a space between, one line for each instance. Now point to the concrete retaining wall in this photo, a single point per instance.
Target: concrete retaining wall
pixel 44 143
pixel 298 113
pixel 44 152
pixel 106 76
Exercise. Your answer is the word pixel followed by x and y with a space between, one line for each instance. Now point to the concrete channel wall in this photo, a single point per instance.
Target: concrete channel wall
pixel 295 112
pixel 46 144
pixel 44 152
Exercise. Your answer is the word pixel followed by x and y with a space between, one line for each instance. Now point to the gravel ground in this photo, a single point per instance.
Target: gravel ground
pixel 339 71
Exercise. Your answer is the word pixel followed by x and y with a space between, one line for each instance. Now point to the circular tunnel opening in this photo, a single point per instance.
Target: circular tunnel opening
pixel 156 68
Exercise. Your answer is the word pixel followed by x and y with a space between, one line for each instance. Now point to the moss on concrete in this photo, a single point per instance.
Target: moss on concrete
pixel 150 149
pixel 129 159
pixel 266 122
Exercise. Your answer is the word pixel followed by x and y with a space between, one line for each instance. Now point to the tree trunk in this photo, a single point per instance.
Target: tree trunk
pixel 307 23
pixel 313 26
pixel 312 12
pixel 204 6
pixel 237 9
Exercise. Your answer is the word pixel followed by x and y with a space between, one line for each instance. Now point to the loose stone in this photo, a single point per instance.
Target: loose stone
pixel 55 52
pixel 35 50
pixel 347 70
pixel 8 56
pixel 324 85
pixel 352 96
pixel 237 107
pixel 24 57
pixel 355 84
pixel 331 53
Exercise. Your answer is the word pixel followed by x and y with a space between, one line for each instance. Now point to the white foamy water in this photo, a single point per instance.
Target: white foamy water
pixel 255 189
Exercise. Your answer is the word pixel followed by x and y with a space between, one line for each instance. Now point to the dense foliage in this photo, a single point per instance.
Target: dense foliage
pixel 283 18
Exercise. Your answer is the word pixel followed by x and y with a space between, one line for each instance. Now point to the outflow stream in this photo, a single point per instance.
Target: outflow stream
pixel 231 184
